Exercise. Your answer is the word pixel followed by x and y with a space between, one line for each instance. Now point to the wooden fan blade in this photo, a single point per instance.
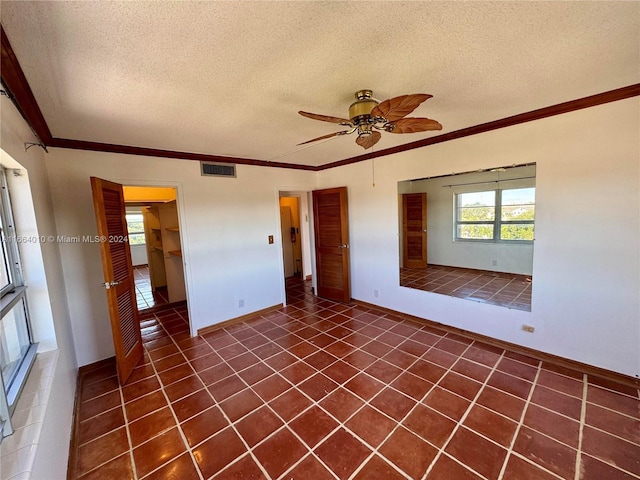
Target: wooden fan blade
pixel 325 118
pixel 399 107
pixel 368 141
pixel 413 125
pixel 334 134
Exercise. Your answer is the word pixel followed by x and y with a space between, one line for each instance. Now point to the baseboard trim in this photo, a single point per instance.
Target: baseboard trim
pixel 234 321
pixel 530 352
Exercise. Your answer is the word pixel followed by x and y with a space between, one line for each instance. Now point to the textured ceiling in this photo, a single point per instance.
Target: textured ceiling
pixel 227 78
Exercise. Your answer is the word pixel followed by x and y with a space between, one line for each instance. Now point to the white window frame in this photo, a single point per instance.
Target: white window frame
pixel 497 222
pixel 13 295
pixel 141 232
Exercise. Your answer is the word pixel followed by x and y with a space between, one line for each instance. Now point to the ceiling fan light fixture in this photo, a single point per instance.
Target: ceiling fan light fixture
pixel 360 110
pixel 364 129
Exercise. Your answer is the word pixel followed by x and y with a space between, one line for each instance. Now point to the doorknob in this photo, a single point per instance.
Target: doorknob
pixel 108 285
pixel 345 245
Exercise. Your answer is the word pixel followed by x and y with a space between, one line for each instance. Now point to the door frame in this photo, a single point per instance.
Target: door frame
pixel 306 233
pixel 184 233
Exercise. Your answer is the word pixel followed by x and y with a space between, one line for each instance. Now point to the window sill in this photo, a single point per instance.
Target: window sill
pixel 19 449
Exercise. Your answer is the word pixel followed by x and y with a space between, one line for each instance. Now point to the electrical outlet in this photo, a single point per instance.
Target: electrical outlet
pixel 376 293
pixel 270 238
pixel 528 328
pixel 241 303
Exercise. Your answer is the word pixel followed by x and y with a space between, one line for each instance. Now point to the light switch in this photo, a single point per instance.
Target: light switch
pixel 270 239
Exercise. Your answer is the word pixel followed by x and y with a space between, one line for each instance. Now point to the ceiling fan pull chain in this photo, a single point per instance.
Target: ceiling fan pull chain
pixel 373 171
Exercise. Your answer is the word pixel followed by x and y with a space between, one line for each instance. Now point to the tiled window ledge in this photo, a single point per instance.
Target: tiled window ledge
pixel 18 451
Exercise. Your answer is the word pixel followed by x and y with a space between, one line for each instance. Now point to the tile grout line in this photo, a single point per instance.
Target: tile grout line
pixel 583 416
pixel 286 423
pixel 459 423
pixel 313 401
pixel 344 427
pixel 232 424
pixel 475 277
pixel 158 321
pixel 126 424
pixel 170 405
pixel 521 422
pixel 311 452
pixel 375 451
pixel 398 422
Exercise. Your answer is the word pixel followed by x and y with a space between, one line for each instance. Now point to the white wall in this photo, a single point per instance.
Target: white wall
pixel 586 270
pixel 442 250
pixel 47 296
pixel 225 223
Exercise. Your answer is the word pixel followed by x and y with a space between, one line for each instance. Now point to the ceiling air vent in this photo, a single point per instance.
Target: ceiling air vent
pixel 209 169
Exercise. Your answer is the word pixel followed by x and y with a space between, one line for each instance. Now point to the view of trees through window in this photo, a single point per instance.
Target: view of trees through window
pixel 135 227
pixel 496 215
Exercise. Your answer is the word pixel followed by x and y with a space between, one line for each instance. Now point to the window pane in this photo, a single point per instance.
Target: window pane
pixel 5 268
pixel 481 231
pixel 516 232
pixel 135 228
pixel 518 204
pixel 135 223
pixel 14 341
pixel 476 206
pixel 136 239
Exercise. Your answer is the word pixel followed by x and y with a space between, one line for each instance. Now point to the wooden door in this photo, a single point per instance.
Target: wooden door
pixel 331 224
pixel 414 230
pixel 108 203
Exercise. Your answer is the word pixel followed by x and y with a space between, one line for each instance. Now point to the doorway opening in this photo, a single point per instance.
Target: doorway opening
pixel 154 237
pixel 295 237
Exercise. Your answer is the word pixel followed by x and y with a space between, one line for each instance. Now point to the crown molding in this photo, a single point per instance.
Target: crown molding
pixel 20 92
pixel 154 152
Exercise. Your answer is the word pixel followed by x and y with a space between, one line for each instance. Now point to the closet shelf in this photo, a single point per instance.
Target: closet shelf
pixel 172 229
pixel 177 253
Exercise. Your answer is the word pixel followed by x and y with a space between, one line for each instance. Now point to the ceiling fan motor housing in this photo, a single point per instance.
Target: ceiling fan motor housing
pixel 360 110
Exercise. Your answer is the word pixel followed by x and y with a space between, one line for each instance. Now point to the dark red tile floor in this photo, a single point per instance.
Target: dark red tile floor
pixel 496 288
pixel 147 297
pixel 321 390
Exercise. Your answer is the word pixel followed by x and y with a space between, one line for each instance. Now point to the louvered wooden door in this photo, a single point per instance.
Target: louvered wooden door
pixel 331 224
pixel 108 202
pixel 414 230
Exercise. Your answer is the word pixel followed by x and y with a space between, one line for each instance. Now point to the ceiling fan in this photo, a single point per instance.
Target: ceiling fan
pixel 367 115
